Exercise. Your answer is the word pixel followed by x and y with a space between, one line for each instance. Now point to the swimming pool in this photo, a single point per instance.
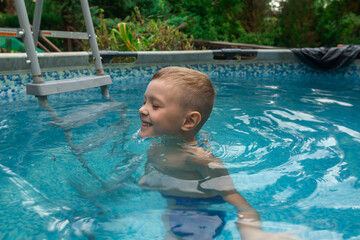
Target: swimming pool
pixel 290 142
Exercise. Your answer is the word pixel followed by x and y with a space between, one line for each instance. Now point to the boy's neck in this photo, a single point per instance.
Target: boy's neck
pixel 175 140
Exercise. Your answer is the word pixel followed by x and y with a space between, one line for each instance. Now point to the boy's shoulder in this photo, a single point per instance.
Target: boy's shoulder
pixel 198 151
pixel 201 156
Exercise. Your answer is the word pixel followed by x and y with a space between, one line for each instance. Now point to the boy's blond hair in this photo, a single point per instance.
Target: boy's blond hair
pixel 196 87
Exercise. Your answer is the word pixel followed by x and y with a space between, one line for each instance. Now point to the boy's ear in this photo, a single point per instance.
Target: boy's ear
pixel 191 121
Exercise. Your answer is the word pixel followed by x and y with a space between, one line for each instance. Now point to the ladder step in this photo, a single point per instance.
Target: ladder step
pixel 67 85
pixel 88 114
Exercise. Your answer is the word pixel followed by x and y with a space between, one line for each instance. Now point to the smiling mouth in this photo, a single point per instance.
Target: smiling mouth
pixel 146 124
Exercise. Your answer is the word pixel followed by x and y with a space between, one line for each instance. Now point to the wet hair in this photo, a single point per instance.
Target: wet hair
pixel 196 87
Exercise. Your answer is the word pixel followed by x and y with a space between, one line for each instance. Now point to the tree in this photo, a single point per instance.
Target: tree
pixel 297 23
pixel 338 22
pixel 8 7
pixel 253 14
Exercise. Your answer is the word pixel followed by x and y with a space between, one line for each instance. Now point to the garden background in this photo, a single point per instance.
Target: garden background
pixel 145 25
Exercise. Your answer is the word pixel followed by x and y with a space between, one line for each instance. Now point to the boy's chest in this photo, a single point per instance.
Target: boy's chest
pixel 167 158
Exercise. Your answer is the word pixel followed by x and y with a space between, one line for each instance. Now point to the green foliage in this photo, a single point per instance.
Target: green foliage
pixel 350 29
pixel 124 8
pixel 126 36
pixel 221 20
pixel 336 24
pixel 165 24
pixel 164 37
pixel 314 23
pixel 8 20
pixel 297 24
pixel 206 19
pixel 138 34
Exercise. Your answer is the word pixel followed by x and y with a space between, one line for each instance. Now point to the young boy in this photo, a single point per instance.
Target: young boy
pixel 177 103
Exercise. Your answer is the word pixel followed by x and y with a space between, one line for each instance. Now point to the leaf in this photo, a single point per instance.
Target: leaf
pixel 126 36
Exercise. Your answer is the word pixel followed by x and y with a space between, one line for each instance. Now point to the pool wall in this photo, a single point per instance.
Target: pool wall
pixel 15 72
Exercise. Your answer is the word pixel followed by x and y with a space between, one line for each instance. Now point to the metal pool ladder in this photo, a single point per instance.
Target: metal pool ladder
pixel 39 87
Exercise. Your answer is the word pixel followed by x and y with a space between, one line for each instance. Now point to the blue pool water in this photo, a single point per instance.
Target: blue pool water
pixel 291 145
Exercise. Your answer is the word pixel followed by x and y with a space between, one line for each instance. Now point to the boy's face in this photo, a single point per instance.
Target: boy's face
pixel 162 113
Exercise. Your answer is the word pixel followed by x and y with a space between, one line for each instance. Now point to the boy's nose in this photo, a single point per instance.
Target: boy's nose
pixel 143 111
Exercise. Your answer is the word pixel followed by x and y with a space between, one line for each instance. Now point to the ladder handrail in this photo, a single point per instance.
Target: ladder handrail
pixel 28 41
pixel 92 36
pixel 37 20
pixel 93 44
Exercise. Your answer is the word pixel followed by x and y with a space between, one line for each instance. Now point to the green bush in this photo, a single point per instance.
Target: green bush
pixel 350 29
pixel 297 24
pixel 8 21
pixel 315 23
pixel 335 24
pixel 139 34
pixel 171 24
pixel 224 20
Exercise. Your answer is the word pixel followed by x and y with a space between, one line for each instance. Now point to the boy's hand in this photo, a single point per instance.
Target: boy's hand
pixel 254 233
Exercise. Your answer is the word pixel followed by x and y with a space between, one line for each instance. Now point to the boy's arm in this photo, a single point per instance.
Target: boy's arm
pixel 217 178
pixel 248 223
